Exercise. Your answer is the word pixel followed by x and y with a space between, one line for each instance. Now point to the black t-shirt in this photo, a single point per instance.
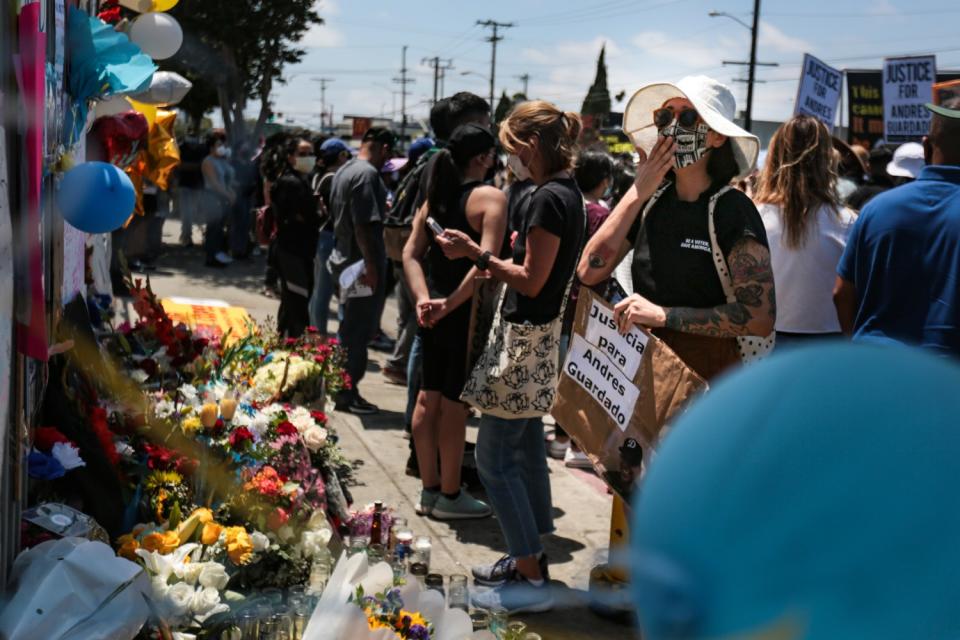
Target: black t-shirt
pixel 191 155
pixel 672 259
pixel 555 207
pixel 296 209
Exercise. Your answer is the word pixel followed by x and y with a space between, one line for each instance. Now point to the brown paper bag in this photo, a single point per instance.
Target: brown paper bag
pixel 617 393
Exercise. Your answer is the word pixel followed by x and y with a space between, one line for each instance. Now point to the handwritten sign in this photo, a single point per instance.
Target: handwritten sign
pixel 598 375
pixel 907 87
pixel 819 92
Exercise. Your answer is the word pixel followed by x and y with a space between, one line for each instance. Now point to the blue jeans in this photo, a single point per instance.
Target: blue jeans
pixel 512 462
pixel 359 322
pixel 414 378
pixel 322 283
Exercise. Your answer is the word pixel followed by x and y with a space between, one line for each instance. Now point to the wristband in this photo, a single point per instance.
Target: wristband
pixel 483 262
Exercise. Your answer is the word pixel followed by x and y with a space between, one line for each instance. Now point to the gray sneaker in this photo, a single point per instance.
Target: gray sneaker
pixel 465 507
pixel 428 500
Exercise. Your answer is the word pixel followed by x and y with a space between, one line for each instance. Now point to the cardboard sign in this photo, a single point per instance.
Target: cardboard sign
pixel 616 393
pixel 209 316
pixel 907 87
pixel 819 92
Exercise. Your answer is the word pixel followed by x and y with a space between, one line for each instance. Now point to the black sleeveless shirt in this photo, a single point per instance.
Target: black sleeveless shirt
pixel 445 275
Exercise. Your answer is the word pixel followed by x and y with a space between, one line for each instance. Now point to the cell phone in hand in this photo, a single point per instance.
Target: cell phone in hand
pixel 434 226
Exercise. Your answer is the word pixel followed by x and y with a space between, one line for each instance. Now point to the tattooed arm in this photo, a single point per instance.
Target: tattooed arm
pixel 752 314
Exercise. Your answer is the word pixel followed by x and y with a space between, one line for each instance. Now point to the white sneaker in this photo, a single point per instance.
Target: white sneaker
pixel 558 448
pixel 576 459
pixel 223 258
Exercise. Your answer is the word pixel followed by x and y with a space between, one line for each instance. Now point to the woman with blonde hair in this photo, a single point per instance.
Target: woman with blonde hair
pixel 514 382
pixel 807 228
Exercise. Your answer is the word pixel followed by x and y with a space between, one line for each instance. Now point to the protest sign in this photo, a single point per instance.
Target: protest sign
pixel 907 87
pixel 865 104
pixel 617 392
pixel 213 318
pixel 819 91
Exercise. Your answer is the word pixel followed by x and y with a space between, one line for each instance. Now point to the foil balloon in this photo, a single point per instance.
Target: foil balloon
pixel 157 34
pixel 149 111
pixel 112 106
pixel 166 89
pixel 163 154
pixel 121 137
pixel 96 197
pixel 164 5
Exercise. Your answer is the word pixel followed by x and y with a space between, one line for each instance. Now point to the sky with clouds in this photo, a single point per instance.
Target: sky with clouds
pixel 556 42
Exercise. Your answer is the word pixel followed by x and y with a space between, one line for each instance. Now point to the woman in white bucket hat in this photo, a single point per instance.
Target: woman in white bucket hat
pixel 701 266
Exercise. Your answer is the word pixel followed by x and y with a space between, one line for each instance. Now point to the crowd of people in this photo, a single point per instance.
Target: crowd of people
pixel 720 259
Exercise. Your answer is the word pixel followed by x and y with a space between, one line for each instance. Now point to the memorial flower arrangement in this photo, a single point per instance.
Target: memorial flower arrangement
pixel 386 611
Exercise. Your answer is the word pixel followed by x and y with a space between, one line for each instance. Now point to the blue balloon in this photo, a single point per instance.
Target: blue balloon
pixel 96 197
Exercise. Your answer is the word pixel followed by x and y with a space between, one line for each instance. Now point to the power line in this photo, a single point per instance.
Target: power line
pixel 323 100
pixel 403 81
pixel 437 72
pixel 493 40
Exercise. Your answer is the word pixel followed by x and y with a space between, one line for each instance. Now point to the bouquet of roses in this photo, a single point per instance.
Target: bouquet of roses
pixel 302 369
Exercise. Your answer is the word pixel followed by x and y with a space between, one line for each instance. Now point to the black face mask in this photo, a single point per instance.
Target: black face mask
pixel 691 142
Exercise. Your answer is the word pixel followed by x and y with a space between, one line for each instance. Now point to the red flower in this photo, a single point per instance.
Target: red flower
pixel 312 329
pixel 290 342
pixel 98 422
pixel 240 437
pixel 319 417
pixel 218 426
pixel 277 518
pixel 286 428
pixel 160 458
pixel 319 359
pixel 347 381
pixel 45 437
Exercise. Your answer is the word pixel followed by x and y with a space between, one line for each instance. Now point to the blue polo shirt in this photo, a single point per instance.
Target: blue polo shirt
pixel 903 256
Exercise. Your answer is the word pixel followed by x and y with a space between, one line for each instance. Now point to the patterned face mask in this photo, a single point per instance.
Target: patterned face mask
pixel 691 142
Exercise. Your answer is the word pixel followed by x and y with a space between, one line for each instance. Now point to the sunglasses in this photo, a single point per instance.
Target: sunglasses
pixel 687 118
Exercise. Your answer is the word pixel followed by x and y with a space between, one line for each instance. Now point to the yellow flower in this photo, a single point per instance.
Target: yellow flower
pixel 239 545
pixel 128 549
pixel 211 533
pixel 415 618
pixel 191 424
pixel 158 479
pixel 202 514
pixel 164 543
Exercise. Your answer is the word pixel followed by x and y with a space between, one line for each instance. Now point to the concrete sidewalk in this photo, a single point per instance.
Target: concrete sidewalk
pixel 376 443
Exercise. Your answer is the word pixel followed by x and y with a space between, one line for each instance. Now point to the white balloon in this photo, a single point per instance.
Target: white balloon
pixel 157 34
pixel 166 89
pixel 112 106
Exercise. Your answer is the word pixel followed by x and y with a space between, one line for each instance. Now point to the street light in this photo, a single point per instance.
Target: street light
pixel 752 76
pixel 475 73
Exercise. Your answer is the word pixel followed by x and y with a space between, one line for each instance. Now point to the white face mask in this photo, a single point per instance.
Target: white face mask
pixel 220 151
pixel 517 167
pixel 305 164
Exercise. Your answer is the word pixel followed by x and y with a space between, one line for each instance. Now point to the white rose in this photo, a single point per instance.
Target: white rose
pixel 206 603
pixel 258 424
pixel 314 438
pixel 214 575
pixel 260 541
pixel 180 598
pixel 189 393
pixel 314 542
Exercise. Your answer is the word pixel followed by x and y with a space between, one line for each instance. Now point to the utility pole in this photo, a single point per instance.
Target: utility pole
pixel 323 100
pixel 525 79
pixel 493 40
pixel 751 78
pixel 437 74
pixel 403 81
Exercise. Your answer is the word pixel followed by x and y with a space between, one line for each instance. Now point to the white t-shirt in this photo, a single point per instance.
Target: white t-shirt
pixel 804 277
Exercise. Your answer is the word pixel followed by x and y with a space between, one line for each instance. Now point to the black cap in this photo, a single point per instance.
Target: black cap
pixel 631 452
pixel 469 140
pixel 381 135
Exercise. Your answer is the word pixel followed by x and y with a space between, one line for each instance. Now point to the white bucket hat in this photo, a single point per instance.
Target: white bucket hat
pixel 712 100
pixel 907 161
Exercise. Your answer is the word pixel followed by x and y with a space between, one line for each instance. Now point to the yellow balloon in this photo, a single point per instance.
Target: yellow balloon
pixel 164 5
pixel 148 110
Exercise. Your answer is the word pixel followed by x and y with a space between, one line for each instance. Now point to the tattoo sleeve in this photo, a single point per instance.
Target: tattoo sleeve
pixel 754 310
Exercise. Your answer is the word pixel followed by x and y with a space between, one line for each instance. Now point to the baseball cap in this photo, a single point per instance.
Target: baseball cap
pixel 808 504
pixel 419 147
pixel 631 452
pixel 907 161
pixel 333 147
pixel 945 111
pixel 380 135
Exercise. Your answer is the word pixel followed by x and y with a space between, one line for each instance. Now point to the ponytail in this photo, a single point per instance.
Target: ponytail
pixel 573 125
pixel 557 130
pixel 443 185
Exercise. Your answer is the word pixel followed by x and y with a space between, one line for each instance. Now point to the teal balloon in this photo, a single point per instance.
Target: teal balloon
pixel 96 197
